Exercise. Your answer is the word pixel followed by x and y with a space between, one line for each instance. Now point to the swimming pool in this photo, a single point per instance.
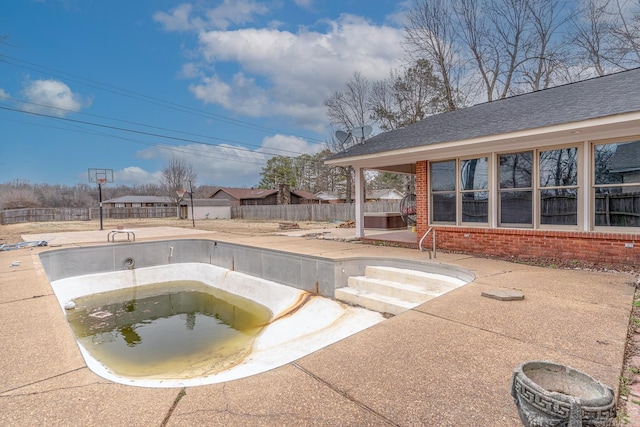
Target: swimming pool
pixel 291 286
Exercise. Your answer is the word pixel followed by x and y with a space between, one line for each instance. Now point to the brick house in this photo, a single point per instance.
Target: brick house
pixel 552 174
pixel 262 196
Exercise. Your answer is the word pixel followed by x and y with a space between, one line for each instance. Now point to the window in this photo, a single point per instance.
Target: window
pixel 118 205
pixel 558 193
pixel 474 185
pixel 515 187
pixel 472 196
pixel 443 191
pixel 617 184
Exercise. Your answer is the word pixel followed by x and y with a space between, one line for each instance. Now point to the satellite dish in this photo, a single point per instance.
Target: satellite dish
pixel 361 131
pixel 344 137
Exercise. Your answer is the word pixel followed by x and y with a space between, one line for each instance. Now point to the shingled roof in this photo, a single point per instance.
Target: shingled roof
pixel 246 193
pixel 598 97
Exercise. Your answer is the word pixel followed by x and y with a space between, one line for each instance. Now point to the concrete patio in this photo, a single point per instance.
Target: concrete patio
pixel 447 362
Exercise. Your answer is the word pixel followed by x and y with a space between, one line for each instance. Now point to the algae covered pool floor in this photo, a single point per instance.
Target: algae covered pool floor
pixel 167 330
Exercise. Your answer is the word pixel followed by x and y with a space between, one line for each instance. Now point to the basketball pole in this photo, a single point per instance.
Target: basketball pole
pixel 100 198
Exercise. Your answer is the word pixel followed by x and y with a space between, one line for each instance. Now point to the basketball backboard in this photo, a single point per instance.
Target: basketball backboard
pixel 100 176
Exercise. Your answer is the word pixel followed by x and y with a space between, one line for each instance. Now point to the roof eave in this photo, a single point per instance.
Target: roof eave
pixel 593 129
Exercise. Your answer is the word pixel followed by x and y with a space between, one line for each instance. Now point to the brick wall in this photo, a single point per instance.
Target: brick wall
pixel 597 248
pixel 422 199
pixel 621 249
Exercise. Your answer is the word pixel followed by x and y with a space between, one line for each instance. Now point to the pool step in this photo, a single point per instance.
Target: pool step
pixel 395 290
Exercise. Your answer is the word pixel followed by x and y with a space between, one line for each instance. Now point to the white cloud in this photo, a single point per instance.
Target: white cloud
pixel 229 12
pixel 305 4
pixel 4 94
pixel 291 74
pixel 51 97
pixel 133 175
pixel 178 20
pixel 228 165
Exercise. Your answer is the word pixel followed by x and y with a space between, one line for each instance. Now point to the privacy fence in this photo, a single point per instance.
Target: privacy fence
pixel 323 212
pixel 15 216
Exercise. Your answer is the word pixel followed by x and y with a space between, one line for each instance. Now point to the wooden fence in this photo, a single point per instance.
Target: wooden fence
pixel 310 212
pixel 125 213
pixel 15 216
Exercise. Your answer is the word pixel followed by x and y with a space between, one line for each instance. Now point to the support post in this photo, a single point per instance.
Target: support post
pixel 359 172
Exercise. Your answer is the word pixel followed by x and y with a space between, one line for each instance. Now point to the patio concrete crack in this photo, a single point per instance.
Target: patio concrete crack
pixel 25 299
pixel 346 395
pixel 182 393
pixel 3 393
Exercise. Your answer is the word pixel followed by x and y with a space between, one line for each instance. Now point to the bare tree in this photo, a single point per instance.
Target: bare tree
pixel 407 97
pixel 177 174
pixel 626 33
pixel 591 29
pixel 430 34
pixel 347 110
pixel 547 52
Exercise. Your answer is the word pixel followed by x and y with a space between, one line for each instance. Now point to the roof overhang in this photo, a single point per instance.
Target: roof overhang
pixel 404 160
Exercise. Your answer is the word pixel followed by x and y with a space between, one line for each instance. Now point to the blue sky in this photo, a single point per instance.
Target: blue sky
pixel 224 84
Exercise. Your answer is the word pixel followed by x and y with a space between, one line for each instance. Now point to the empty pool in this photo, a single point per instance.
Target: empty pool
pixel 297 322
pixel 292 288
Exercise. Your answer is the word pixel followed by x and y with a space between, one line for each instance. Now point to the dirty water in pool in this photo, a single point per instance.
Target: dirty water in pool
pixel 167 330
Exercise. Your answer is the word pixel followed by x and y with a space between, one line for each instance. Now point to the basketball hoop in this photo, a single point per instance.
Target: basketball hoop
pixel 100 177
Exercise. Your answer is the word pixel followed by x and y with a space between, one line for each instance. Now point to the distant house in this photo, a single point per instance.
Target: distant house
pixel 328 197
pixel 388 195
pixel 303 198
pixel 138 202
pixel 262 196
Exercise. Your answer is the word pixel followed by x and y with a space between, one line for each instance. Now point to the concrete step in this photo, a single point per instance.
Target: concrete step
pixel 402 291
pixel 430 281
pixel 394 290
pixel 373 301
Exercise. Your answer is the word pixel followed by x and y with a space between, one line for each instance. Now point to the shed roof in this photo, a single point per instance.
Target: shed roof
pixel 598 97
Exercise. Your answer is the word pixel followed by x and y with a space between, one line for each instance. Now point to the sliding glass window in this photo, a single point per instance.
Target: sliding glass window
pixel 617 184
pixel 516 191
pixel 443 191
pixel 474 190
pixel 558 192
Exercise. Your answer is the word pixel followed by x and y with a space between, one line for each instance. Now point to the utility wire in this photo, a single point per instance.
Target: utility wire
pixel 145 98
pixel 148 126
pixel 177 149
pixel 157 135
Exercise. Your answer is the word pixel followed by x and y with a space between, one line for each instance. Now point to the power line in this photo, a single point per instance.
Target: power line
pixel 146 98
pixel 148 126
pixel 157 135
pixel 190 150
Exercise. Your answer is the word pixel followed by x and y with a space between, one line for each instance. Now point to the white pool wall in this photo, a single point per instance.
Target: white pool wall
pixel 313 274
pixel 276 297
